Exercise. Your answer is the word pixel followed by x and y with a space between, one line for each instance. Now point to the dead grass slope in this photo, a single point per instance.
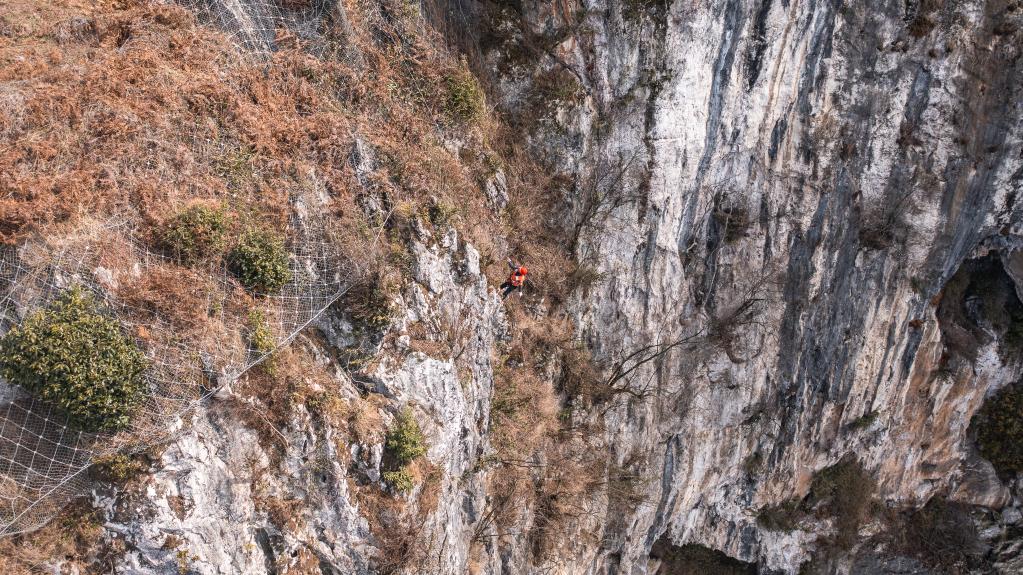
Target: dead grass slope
pixel 131 110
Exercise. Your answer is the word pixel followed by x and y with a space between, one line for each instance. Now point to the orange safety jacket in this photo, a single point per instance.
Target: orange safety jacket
pixel 517 277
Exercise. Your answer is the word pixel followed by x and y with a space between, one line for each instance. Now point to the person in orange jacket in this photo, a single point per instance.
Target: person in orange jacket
pixel 515 280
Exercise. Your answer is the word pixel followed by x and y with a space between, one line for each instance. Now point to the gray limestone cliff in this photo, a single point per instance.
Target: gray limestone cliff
pixel 803 224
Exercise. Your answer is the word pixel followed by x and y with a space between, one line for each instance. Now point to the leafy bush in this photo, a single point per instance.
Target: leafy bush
pixel 465 101
pixel 260 262
pixel 261 339
pixel 370 305
pixel 864 421
pixel 72 356
pixel 401 480
pixel 405 440
pixel 117 468
pixel 441 213
pixel 999 425
pixel 842 492
pixel 195 233
pixel 260 336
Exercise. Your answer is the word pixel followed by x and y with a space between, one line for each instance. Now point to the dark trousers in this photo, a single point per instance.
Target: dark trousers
pixel 508 288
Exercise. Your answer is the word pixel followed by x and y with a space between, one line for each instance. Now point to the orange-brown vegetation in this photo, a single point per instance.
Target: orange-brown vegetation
pixel 74 538
pixel 132 110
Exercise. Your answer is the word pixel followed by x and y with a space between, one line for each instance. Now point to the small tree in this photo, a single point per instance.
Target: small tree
pixel 261 339
pixel 260 262
pixel 401 480
pixel 76 358
pixel 405 443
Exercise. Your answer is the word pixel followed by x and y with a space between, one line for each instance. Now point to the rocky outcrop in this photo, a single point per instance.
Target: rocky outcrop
pixel 223 499
pixel 784 205
pixel 824 169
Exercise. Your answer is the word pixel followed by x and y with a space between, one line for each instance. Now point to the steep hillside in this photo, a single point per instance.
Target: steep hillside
pixel 773 322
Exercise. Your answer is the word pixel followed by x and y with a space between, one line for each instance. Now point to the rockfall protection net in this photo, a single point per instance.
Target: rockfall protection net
pixel 260 26
pixel 194 326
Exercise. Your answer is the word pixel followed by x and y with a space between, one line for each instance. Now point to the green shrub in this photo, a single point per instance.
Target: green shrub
pixel 999 425
pixel 261 337
pixel 262 340
pixel 370 305
pixel 236 165
pixel 405 440
pixel 465 101
pixel 441 213
pixel 72 356
pixel 260 262
pixel 401 480
pixel 864 421
pixel 841 492
pixel 195 234
pixel 117 468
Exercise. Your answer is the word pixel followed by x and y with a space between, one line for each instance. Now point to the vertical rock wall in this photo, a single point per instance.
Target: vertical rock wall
pixel 827 167
pixel 775 198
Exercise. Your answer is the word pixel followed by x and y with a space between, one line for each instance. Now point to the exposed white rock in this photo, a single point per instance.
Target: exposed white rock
pixel 870 165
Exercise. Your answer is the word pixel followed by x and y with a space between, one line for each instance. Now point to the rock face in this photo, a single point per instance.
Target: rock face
pixel 797 182
pixel 799 213
pixel 222 501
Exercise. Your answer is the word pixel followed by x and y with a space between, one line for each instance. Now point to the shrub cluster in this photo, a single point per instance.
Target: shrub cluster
pixel 405 440
pixel 260 335
pixel 401 480
pixel 466 101
pixel 117 468
pixel 370 304
pixel 261 340
pixel 195 234
pixel 260 262
pixel 199 233
pixel 999 425
pixel 842 492
pixel 405 443
pixel 75 358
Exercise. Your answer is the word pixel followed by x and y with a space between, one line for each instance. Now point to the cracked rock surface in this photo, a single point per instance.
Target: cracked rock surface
pixel 808 186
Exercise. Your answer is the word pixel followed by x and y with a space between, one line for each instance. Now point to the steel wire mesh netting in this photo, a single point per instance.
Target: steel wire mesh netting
pixel 260 25
pixel 43 455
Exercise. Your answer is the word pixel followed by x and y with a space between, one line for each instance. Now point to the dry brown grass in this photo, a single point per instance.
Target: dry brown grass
pixel 141 110
pixel 177 295
pixel 130 109
pixel 74 538
pixel 266 399
pixel 396 523
pixel 367 423
pixel 547 470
